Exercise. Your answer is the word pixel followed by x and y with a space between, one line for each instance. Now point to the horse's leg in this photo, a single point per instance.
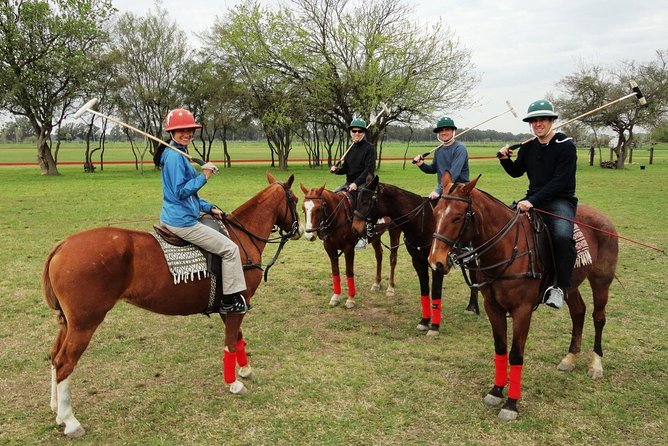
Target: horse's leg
pixel 436 292
pixel 521 322
pixel 245 370
pixel 74 344
pixel 600 289
pixel 232 340
pixel 422 271
pixel 336 277
pixel 54 351
pixel 499 323
pixel 394 249
pixel 576 308
pixel 473 306
pixel 378 251
pixel 349 254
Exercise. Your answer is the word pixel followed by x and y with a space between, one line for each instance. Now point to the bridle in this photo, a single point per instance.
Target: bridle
pixel 467 257
pixel 327 221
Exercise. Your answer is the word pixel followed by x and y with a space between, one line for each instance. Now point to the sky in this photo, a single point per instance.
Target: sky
pixel 521 48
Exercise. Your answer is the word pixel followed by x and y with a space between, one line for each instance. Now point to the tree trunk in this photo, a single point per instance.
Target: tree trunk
pixel 47 163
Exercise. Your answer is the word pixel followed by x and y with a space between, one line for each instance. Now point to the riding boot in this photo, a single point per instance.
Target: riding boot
pixel 234 303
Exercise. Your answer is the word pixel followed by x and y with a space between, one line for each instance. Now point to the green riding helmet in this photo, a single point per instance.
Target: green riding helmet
pixel 361 123
pixel 542 108
pixel 445 122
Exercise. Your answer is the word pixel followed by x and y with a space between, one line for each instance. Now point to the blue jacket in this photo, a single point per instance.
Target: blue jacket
pixel 181 206
pixel 454 159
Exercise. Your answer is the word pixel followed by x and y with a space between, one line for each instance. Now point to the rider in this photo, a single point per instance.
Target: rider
pixel 450 156
pixel 181 207
pixel 549 161
pixel 358 162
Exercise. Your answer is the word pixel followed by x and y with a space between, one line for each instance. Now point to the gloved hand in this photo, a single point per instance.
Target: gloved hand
pixel 210 166
pixel 418 159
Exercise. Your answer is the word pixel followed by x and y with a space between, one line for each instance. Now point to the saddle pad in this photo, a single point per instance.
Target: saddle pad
pixel 581 247
pixel 184 262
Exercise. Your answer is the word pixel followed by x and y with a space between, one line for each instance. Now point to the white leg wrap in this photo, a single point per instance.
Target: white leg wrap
pixel 567 364
pixel 335 300
pixel 54 392
pixel 246 372
pixel 596 367
pixel 65 415
pixel 238 388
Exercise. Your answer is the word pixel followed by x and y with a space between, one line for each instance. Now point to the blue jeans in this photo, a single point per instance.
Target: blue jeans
pixel 563 245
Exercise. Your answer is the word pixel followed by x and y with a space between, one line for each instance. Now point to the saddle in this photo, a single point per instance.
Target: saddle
pixel 544 252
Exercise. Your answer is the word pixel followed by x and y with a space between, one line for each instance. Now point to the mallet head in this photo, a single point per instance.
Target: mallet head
pixel 639 95
pixel 510 107
pixel 87 106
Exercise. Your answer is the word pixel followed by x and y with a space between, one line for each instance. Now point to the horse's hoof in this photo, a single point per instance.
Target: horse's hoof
pixel 422 327
pixel 238 388
pixel 492 400
pixel 389 292
pixel 350 304
pixel 595 373
pixel 77 432
pixel 246 372
pixel 334 301
pixel 508 415
pixel 375 287
pixel 432 332
pixel 565 366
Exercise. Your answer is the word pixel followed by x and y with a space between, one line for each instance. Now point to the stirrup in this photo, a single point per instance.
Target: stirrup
pixel 238 306
pixel 555 297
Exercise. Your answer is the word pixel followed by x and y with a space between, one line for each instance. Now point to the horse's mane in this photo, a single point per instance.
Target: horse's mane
pixel 410 194
pixel 494 199
pixel 256 200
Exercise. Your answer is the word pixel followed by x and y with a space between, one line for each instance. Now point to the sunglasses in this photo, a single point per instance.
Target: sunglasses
pixel 357 131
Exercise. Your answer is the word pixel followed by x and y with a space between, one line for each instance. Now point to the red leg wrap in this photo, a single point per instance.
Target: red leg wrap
pixel 436 311
pixel 242 359
pixel 501 370
pixel 336 282
pixel 229 367
pixel 425 301
pixel 515 389
pixel 351 286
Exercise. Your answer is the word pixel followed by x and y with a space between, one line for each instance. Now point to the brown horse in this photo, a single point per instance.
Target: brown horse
pixel 88 272
pixel 328 216
pixel 513 277
pixel 413 214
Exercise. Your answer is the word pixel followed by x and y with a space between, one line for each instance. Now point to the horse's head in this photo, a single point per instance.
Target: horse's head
pixel 366 207
pixel 452 217
pixel 288 221
pixel 315 212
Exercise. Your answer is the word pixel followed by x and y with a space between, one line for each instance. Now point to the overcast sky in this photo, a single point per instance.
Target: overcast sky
pixel 521 48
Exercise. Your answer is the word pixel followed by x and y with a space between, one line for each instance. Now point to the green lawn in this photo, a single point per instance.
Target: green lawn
pixel 327 376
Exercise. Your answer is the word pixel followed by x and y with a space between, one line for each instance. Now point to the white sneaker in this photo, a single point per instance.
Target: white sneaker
pixel 361 244
pixel 555 297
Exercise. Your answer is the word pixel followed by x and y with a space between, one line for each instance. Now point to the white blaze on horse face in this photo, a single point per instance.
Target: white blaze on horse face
pixel 308 225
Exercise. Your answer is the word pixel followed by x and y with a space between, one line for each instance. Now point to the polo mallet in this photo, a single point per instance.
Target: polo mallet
pixel 509 109
pixel 636 92
pixel 87 107
pixel 372 121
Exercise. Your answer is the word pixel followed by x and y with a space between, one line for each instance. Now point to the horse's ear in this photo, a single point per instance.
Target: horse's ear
pixel 374 183
pixel 468 187
pixel 369 178
pixel 290 181
pixel 270 178
pixel 319 191
pixel 446 179
pixel 304 189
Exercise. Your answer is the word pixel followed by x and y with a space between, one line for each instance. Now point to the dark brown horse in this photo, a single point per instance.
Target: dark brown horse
pixel 88 272
pixel 512 277
pixel 328 216
pixel 413 214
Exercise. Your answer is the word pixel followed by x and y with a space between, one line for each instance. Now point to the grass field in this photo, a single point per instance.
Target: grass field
pixel 327 376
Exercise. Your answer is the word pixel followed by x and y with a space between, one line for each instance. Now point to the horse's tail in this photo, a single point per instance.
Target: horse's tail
pixel 49 293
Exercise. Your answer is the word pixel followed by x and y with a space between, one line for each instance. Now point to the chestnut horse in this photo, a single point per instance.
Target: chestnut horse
pixel 413 214
pixel 513 279
pixel 328 216
pixel 88 272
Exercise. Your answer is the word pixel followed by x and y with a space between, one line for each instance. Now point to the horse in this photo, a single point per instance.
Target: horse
pixel 513 277
pixel 413 214
pixel 328 216
pixel 88 272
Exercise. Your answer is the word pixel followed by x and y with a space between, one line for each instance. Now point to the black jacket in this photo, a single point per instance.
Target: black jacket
pixel 358 163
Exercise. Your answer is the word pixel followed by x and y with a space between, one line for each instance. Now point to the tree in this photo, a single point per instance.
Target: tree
pixel 594 86
pixel 153 54
pixel 47 53
pixel 660 133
